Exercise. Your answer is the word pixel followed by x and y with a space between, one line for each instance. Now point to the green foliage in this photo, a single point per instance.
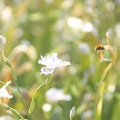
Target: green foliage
pixel 71 28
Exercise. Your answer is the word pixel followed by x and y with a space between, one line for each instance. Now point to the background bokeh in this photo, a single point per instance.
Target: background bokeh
pixel 71 28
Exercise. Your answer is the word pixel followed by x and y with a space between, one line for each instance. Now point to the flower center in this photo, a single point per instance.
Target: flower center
pixel 47 68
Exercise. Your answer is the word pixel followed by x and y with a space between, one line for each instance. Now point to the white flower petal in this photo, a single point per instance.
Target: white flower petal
pixel 4 93
pixel 51 62
pixel 64 63
pixel 46 71
pixel 8 82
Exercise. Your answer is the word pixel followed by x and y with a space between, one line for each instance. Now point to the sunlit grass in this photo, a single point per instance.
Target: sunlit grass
pixel 72 29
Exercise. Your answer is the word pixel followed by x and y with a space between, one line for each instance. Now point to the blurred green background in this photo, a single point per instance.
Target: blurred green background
pixel 71 28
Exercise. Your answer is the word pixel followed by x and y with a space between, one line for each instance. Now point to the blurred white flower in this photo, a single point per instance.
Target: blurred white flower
pixel 111 88
pixel 2 42
pixel 75 23
pixel 3 91
pixel 84 48
pixel 87 115
pixel 6 14
pixel 78 24
pixel 55 95
pixel 51 62
pixel 88 27
pixel 6 117
pixel 47 107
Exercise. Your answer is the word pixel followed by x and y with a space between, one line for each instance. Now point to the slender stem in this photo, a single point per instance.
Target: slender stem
pixel 39 87
pixel 12 110
pixel 3 56
pixel 106 71
pixel 15 80
pixel 99 101
pixel 46 81
pixel 34 95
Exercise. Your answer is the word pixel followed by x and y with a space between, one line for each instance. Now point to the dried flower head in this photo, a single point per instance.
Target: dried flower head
pixel 2 42
pixel 51 62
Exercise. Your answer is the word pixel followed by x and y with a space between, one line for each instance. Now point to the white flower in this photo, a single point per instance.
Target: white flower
pixel 51 62
pixel 3 91
pixel 54 95
pixel 6 117
pixel 2 42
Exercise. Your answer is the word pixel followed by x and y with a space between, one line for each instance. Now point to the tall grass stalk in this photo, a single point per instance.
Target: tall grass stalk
pixel 15 80
pixel 100 93
pixel 34 95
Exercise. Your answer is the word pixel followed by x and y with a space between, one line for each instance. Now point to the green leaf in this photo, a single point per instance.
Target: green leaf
pixel 32 106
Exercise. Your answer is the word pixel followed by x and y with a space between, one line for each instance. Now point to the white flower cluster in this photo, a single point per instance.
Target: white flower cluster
pixel 51 62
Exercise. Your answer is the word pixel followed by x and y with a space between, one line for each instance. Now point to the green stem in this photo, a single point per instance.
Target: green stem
pixel 106 71
pixel 12 110
pixel 46 81
pixel 34 95
pixel 100 102
pixel 3 56
pixel 101 92
pixel 15 80
pixel 39 88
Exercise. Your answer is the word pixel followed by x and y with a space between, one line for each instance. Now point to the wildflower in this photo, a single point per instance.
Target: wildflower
pixel 54 95
pixel 3 91
pixel 51 62
pixel 2 42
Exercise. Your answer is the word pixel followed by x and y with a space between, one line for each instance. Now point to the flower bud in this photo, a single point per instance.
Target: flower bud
pixel 72 112
pixel 2 42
